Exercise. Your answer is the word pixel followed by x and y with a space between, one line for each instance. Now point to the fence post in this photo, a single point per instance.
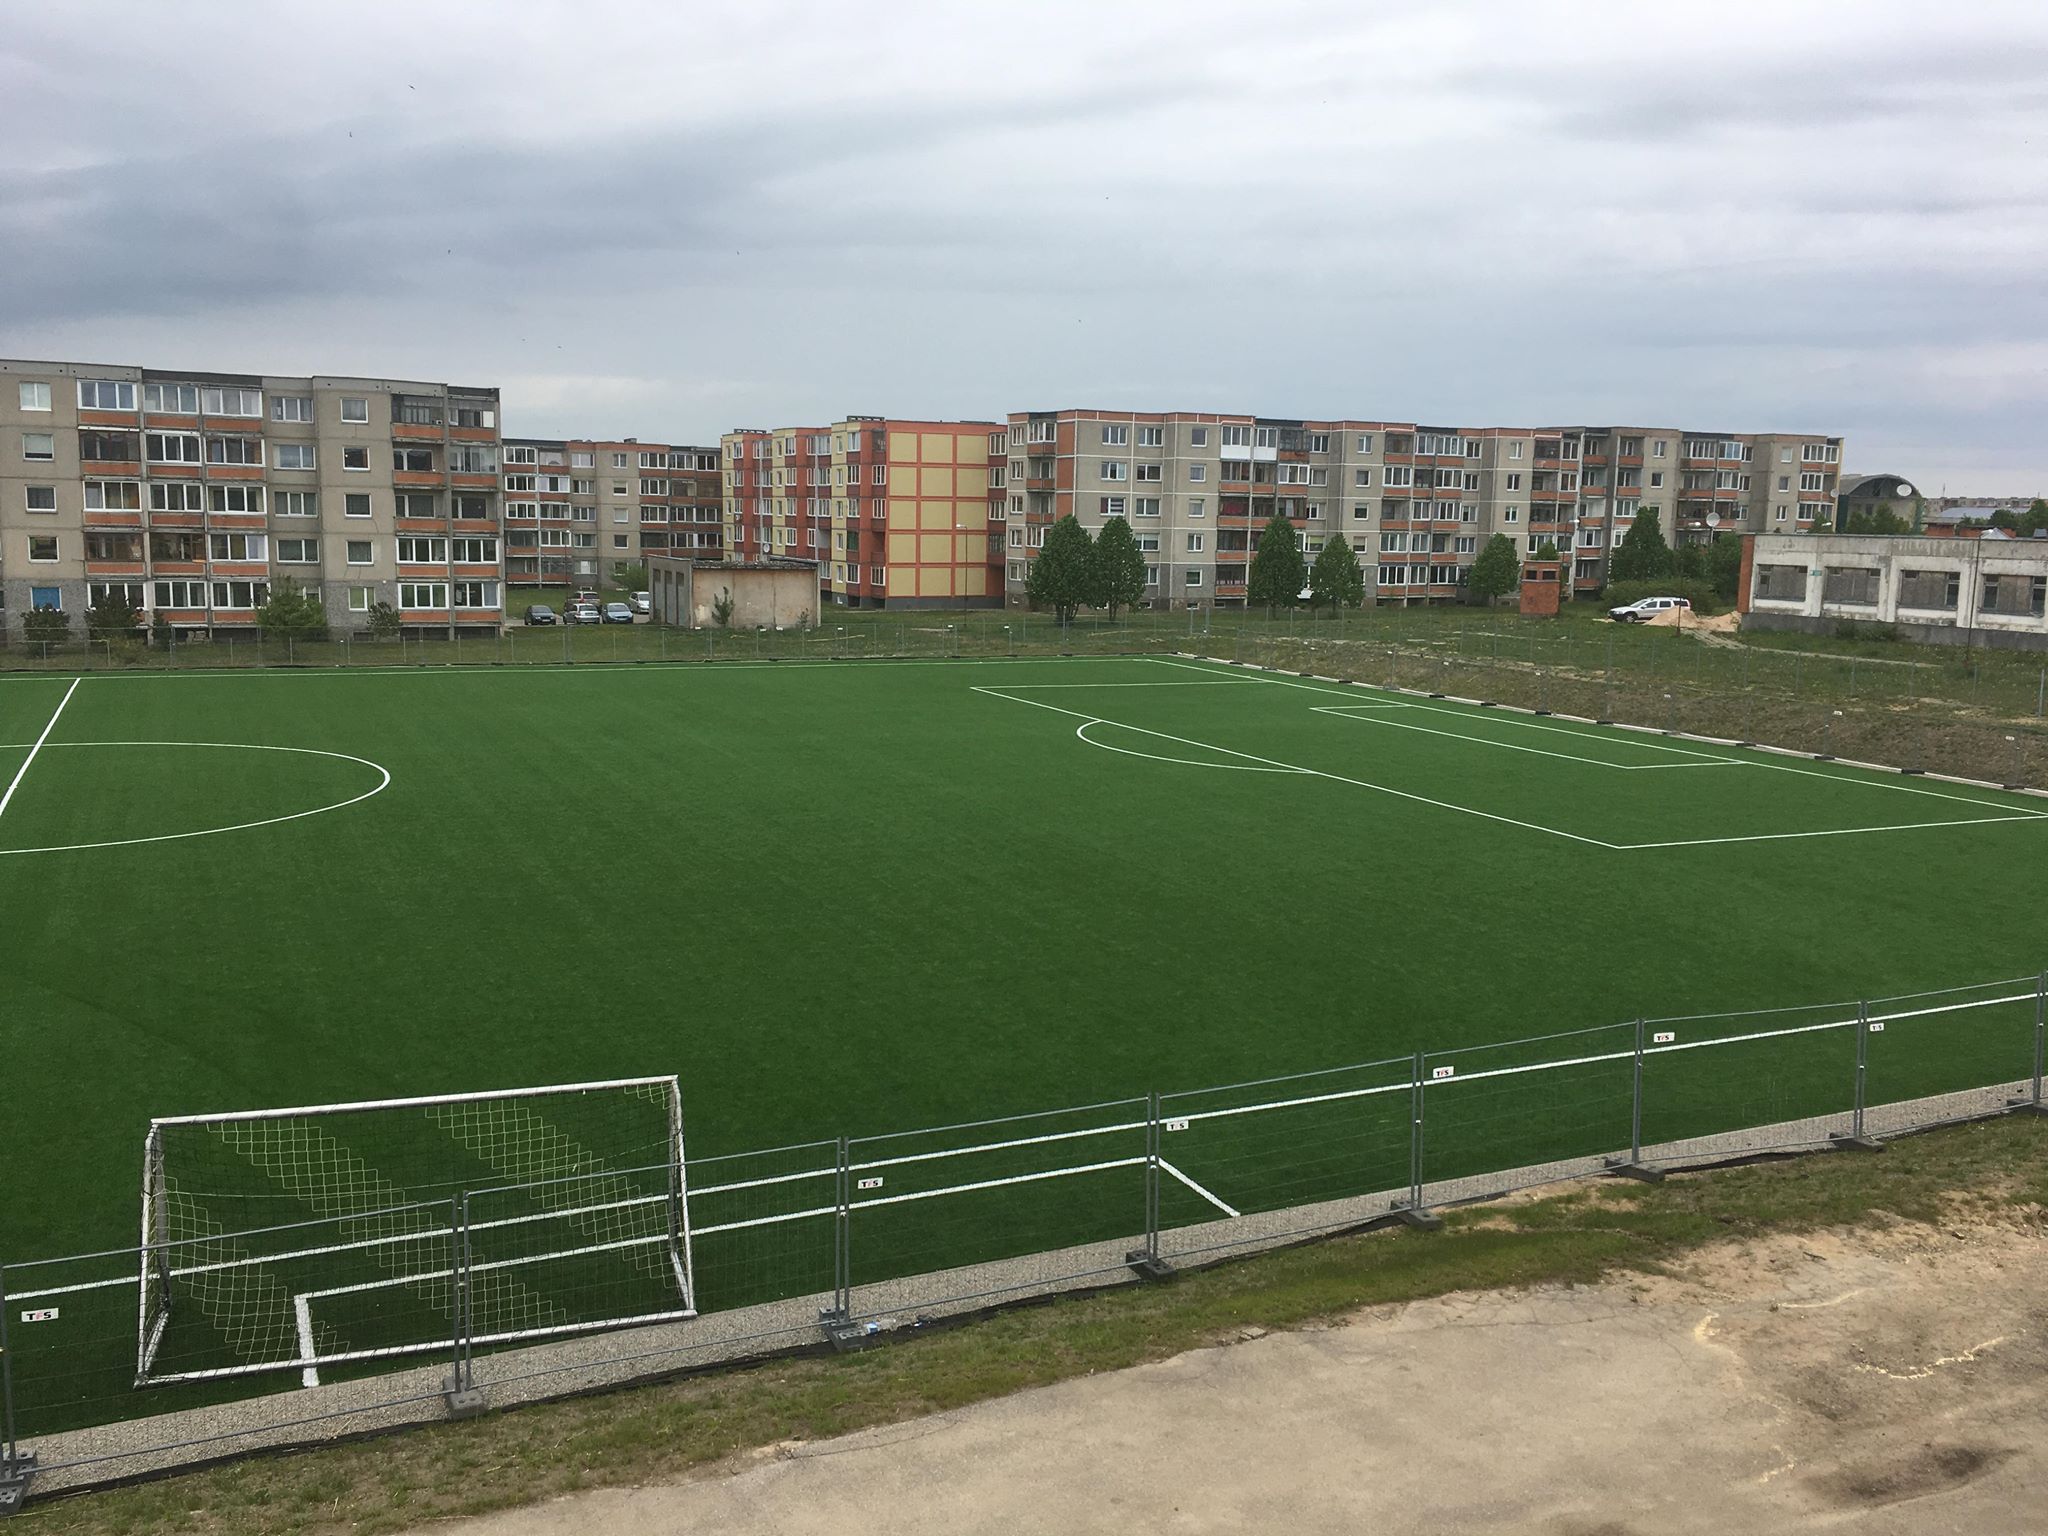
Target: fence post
pixel 1634 1167
pixel 2040 1030
pixel 1856 1139
pixel 463 1399
pixel 1146 1261
pixel 16 1465
pixel 1412 1213
pixel 837 1319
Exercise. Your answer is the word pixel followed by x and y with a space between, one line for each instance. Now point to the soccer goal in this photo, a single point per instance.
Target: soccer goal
pixel 341 1233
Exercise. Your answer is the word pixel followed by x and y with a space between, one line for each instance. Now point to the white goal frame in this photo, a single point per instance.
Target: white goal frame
pixel 160 1267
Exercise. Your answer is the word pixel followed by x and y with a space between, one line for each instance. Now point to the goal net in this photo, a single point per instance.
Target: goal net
pixel 339 1233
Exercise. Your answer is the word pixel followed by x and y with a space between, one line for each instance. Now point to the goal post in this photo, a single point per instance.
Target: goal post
pixel 333 1234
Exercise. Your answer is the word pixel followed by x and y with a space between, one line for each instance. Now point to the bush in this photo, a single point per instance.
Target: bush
pixel 44 629
pixel 1700 594
pixel 1858 629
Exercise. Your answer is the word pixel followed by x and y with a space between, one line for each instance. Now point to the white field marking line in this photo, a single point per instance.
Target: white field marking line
pixel 302 1310
pixel 766 1221
pixel 1904 826
pixel 1348 712
pixel 49 726
pixel 1886 782
pixel 2014 813
pixel 677 664
pixel 1160 757
pixel 1270 762
pixel 1221 682
pixel 761 1183
pixel 1191 1184
pixel 418 1102
pixel 383 783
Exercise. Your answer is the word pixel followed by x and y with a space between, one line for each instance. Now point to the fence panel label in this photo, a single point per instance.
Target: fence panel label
pixel 1664 1037
pixel 1176 1125
pixel 40 1315
pixel 1438 1073
pixel 873 1183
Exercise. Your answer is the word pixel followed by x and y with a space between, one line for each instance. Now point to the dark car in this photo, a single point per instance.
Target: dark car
pixel 582 613
pixel 617 613
pixel 539 613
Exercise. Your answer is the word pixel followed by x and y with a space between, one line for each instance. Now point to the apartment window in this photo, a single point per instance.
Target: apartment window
pixel 1237 437
pixel 472 459
pixel 236 498
pixel 1513 482
pixel 105 395
pixel 618 487
pixel 1195 543
pixel 578 459
pixel 1471 482
pixel 1819 453
pixel 1657 447
pixel 355 458
pixel 42 548
pixel 1511 514
pixel 1111 506
pixel 1393 543
pixel 554 538
pixel 295 456
pixel 475 551
pixel 1151 437
pixel 1472 448
pixel 521 482
pixel 295 503
pixel 360 552
pixel 1198 506
pixel 34 396
pixel 355 504
pixel 476 594
pixel 521 455
pixel 1198 473
pixel 127 593
pixel 1394 476
pixel 113 496
pixel 1361 511
pixel 412 461
pixel 167 447
pixel 1198 437
pixel 415 504
pixel 619 461
pixel 174 496
pixel 1812 481
pixel 1465 544
pixel 423 594
pixel 418 551
pixel 171 399
pixel 1111 470
pixel 39 446
pixel 1146 506
pixel 360 598
pixel 1115 437
pixel 40 498
pixel 102 446
pixel 217 400
pixel 1149 472
pixel 1192 578
pixel 291 407
pixel 298 551
pixel 355 408
pixel 238 546
pixel 234 450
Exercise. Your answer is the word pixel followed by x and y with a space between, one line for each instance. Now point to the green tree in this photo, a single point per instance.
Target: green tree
pixel 384 622
pixel 1119 568
pixel 721 608
pixel 1335 578
pixel 292 613
pixel 2005 520
pixel 1689 561
pixel 1278 571
pixel 161 636
pixel 112 618
pixel 1724 565
pixel 1496 571
pixel 1878 519
pixel 2036 518
pixel 1642 555
pixel 1063 575
pixel 45 629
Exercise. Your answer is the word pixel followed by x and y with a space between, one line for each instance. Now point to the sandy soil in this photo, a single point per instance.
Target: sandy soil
pixel 1883 1382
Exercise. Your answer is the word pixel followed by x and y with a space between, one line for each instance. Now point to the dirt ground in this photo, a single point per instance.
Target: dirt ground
pixel 1883 1382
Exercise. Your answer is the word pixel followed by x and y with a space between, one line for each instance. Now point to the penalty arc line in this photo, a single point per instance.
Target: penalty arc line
pixel 22 772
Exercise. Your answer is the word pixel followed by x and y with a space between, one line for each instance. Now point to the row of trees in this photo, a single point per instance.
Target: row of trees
pixel 1644 555
pixel 290 613
pixel 2025 524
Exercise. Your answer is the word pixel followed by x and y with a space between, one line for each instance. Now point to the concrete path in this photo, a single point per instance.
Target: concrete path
pixel 1883 1383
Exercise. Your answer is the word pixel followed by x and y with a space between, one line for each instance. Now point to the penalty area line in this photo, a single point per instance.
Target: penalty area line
pixel 1227 1210
pixel 22 772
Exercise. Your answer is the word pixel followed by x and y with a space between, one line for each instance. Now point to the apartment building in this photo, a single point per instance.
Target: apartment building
pixel 578 511
pixel 896 512
pixel 189 493
pixel 1416 500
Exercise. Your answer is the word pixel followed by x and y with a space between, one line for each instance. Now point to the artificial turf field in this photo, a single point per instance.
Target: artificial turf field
pixel 851 898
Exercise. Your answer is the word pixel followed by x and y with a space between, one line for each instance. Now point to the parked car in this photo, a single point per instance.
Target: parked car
pixel 585 597
pixel 617 613
pixel 539 613
pixel 1640 611
pixel 643 602
pixel 582 613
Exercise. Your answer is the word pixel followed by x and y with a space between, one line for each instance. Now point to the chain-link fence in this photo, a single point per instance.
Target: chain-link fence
pixel 134 1359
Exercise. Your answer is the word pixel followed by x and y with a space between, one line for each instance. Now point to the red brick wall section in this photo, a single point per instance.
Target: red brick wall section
pixel 1542 583
pixel 1748 573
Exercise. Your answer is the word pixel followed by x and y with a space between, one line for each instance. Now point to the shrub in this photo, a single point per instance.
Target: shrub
pixel 1858 629
pixel 1700 594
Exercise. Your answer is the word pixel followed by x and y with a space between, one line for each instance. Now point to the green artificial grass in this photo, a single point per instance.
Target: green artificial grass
pixel 849 899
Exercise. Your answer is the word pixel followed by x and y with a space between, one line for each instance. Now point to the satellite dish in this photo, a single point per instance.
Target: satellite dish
pixel 1713 519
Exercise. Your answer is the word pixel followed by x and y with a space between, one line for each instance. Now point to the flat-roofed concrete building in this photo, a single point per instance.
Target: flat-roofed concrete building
pixel 189 493
pixel 1416 500
pixel 1988 591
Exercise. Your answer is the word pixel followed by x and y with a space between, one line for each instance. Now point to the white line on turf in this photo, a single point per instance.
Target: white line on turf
pixel 679 665
pixel 1367 715
pixel 1081 731
pixel 383 783
pixel 1191 1184
pixel 1275 763
pixel 22 772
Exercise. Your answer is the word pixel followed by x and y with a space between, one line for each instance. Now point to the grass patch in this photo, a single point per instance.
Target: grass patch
pixel 662 1432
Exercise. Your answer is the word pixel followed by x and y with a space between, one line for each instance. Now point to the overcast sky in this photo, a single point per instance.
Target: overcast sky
pixel 667 220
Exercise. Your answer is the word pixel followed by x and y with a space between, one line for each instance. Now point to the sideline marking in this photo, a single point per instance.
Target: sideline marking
pixel 22 772
pixel 383 783
pixel 1277 765
pixel 1348 712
